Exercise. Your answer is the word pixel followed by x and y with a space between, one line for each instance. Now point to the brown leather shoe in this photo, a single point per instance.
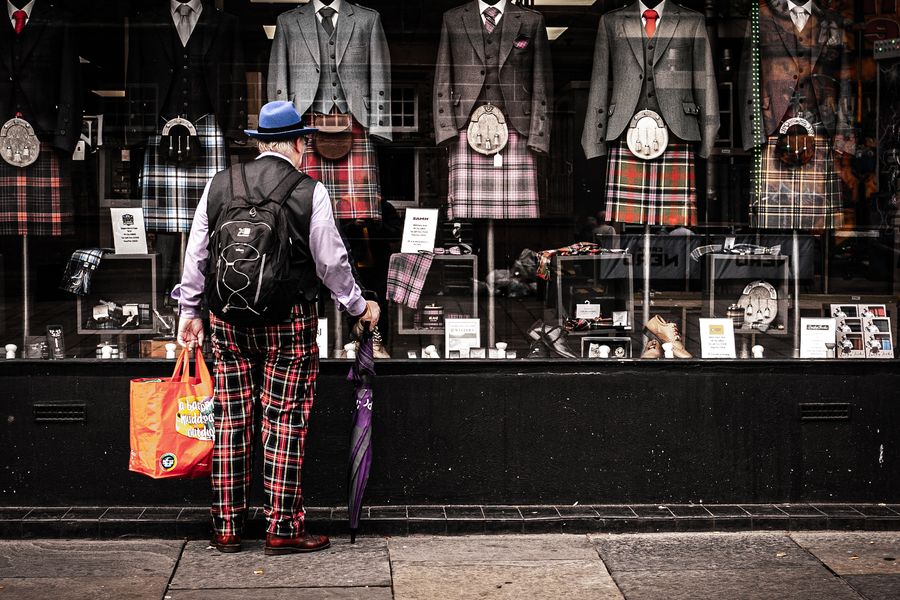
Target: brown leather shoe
pixel 277 545
pixel 227 543
pixel 667 332
pixel 651 350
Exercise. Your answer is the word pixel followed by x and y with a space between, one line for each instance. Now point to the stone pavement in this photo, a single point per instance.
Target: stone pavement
pixel 666 566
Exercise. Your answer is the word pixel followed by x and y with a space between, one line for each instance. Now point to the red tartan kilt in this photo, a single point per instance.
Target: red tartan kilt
pixel 37 199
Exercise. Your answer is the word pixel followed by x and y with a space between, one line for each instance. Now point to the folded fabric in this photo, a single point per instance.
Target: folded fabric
pixel 82 264
pixel 406 277
pixel 742 249
pixel 579 249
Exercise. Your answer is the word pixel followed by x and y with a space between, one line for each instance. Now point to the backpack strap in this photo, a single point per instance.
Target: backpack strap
pixel 286 188
pixel 238 181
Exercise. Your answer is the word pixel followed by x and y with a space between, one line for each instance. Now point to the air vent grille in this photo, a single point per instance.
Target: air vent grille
pixel 819 411
pixel 59 413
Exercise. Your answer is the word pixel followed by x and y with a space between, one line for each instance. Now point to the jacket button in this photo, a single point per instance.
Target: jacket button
pixel 440 94
pixel 600 125
pixel 441 111
pixel 600 111
pixel 381 107
pixel 650 47
pixel 482 72
pixel 381 93
pixel 381 122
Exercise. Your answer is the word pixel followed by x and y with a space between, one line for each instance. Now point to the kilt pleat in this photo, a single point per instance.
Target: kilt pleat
pixel 37 199
pixel 807 197
pixel 661 191
pixel 479 190
pixel 353 181
pixel 169 192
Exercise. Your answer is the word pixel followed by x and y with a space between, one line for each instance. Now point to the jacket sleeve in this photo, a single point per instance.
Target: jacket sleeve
pixel 68 124
pixel 541 92
pixel 845 114
pixel 593 138
pixel 444 125
pixel 279 77
pixel 745 92
pixel 706 91
pixel 236 98
pixel 380 83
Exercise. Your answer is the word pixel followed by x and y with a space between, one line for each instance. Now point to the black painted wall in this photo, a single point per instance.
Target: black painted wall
pixel 516 432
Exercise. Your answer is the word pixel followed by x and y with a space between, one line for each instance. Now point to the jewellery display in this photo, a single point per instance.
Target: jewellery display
pixel 19 145
pixel 759 302
pixel 605 347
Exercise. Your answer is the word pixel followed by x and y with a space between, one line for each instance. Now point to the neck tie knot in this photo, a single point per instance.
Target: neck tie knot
pixel 184 10
pixel 20 16
pixel 800 16
pixel 327 12
pixel 650 26
pixel 490 18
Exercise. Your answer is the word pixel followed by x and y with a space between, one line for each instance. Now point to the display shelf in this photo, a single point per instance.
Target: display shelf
pixel 728 275
pixel 452 282
pixel 606 279
pixel 123 279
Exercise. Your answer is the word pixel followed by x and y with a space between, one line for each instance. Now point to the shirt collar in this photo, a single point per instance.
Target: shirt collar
pixel 501 6
pixel 659 8
pixel 807 6
pixel 336 5
pixel 197 5
pixel 12 8
pixel 276 154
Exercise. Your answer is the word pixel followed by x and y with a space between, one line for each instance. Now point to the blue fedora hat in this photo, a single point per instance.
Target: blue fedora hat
pixel 279 121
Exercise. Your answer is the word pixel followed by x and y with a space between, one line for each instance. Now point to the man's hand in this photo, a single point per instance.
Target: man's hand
pixel 372 314
pixel 190 332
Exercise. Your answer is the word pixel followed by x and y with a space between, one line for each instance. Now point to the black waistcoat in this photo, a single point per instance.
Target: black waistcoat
pixel 188 96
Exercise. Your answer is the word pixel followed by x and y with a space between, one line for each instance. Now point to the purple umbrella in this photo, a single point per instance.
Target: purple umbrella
pixel 361 375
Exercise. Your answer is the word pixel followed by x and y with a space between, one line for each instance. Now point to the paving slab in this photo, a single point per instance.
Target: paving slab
pixel 482 549
pixel 876 587
pixel 151 587
pixel 695 551
pixel 550 580
pixel 806 583
pixel 365 563
pixel 64 559
pixel 352 593
pixel 855 553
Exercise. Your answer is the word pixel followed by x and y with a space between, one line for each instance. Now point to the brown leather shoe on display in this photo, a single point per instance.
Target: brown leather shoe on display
pixel 278 545
pixel 227 543
pixel 667 332
pixel 651 350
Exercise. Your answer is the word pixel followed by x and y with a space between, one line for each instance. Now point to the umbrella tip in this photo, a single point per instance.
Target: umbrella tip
pixel 353 537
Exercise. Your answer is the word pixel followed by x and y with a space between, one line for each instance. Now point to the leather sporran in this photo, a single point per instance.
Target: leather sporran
pixel 334 139
pixel 179 143
pixel 19 146
pixel 796 145
pixel 488 132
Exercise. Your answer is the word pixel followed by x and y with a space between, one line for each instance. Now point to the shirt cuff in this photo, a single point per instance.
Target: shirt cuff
pixel 357 307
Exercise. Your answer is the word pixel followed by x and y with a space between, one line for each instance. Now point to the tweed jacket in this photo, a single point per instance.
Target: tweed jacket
pixel 682 67
pixel 825 81
pixel 150 72
pixel 526 78
pixel 40 76
pixel 363 63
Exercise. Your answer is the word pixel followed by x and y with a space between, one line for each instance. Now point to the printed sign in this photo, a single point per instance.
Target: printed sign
pixel 195 418
pixel 461 335
pixel 817 338
pixel 322 338
pixel 128 230
pixel 717 338
pixel 419 230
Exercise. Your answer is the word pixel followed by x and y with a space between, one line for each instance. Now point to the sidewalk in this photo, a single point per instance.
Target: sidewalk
pixel 666 566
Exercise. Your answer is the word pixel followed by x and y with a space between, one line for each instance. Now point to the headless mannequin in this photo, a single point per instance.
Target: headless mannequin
pixel 325 2
pixel 652 3
pixel 491 2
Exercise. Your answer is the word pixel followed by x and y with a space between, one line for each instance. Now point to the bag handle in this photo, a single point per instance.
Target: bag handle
pixel 182 371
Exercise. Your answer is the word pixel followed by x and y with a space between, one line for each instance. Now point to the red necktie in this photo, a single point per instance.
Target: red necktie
pixel 20 17
pixel 650 25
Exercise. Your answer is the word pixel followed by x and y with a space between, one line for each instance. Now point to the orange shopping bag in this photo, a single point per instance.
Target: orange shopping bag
pixel 172 423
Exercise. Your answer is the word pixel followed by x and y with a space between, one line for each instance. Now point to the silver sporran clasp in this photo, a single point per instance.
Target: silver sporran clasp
pixel 648 136
pixel 488 132
pixel 179 143
pixel 19 145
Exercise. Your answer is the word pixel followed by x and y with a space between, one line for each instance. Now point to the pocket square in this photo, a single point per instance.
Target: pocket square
pixel 521 43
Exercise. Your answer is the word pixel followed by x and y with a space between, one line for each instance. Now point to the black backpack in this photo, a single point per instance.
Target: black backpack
pixel 249 278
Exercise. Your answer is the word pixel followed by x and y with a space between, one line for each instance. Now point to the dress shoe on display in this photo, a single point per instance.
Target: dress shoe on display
pixel 227 543
pixel 551 336
pixel 278 545
pixel 667 332
pixel 538 350
pixel 651 350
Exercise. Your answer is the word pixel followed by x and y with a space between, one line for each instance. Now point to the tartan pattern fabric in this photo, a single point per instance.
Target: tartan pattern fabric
pixel 169 192
pixel 279 363
pixel 37 199
pixel 807 197
pixel 77 276
pixel 653 192
pixel 353 181
pixel 406 277
pixel 479 190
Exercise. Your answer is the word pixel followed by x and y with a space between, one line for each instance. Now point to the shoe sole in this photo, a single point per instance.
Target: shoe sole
pixel 661 342
pixel 228 548
pixel 283 551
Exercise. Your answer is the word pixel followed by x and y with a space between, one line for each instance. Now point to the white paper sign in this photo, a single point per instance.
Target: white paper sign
pixel 814 334
pixel 717 338
pixel 322 338
pixel 461 335
pixel 419 230
pixel 128 230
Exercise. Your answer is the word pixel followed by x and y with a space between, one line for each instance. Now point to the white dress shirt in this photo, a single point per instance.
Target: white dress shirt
pixel 659 11
pixel 501 6
pixel 336 5
pixel 12 10
pixel 800 22
pixel 193 16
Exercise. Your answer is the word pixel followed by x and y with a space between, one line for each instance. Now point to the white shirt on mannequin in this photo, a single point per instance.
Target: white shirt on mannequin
pixel 193 16
pixel 12 9
pixel 800 21
pixel 336 5
pixel 501 6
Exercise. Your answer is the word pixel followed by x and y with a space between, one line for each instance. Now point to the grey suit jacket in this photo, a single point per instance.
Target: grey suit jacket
pixel 684 72
pixel 526 79
pixel 363 63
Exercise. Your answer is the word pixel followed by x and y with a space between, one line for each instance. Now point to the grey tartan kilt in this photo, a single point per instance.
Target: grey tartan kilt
pixel 169 192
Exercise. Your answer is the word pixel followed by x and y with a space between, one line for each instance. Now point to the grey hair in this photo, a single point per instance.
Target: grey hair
pixel 285 147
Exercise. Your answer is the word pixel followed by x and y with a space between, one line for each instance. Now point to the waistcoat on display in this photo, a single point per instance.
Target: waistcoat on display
pixel 491 92
pixel 17 99
pixel 648 100
pixel 187 96
pixel 801 45
pixel 330 92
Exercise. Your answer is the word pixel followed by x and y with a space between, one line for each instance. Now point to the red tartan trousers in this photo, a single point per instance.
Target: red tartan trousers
pixel 277 364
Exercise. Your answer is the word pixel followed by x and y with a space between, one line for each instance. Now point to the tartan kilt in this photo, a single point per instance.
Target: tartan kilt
pixel 37 199
pixel 169 192
pixel 652 192
pixel 479 190
pixel 807 197
pixel 353 181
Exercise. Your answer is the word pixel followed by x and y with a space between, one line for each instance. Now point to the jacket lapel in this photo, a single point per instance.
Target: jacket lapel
pixel 668 24
pixel 31 35
pixel 6 36
pixel 818 35
pixel 308 24
pixel 510 25
pixel 208 26
pixel 631 30
pixel 785 28
pixel 345 24
pixel 473 25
